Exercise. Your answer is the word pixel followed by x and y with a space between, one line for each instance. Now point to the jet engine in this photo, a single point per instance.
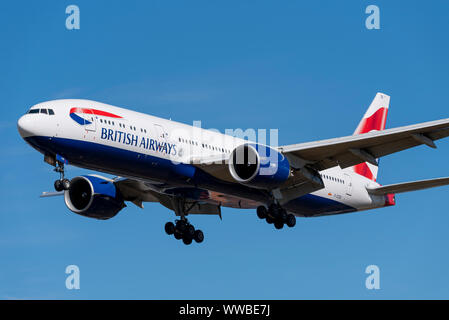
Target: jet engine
pixel 93 197
pixel 259 166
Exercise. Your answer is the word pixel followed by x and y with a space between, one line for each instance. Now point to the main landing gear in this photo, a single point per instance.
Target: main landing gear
pixel 276 215
pixel 182 229
pixel 62 183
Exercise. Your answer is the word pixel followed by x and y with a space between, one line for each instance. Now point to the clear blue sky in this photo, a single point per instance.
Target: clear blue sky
pixel 309 68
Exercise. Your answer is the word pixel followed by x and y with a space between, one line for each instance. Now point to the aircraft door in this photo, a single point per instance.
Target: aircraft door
pixel 90 121
pixel 161 133
pixel 348 184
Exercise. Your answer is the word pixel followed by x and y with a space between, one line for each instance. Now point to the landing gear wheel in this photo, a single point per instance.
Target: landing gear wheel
pixel 186 239
pixel 262 212
pixel 181 226
pixel 58 185
pixel 269 220
pixel 273 210
pixel 282 215
pixel 178 236
pixel 189 231
pixel 198 236
pixel 65 184
pixel 169 228
pixel 278 224
pixel 290 221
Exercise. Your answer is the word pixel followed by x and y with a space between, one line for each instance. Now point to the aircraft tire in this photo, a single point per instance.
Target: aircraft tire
pixel 181 226
pixel 189 230
pixel 262 212
pixel 178 236
pixel 282 215
pixel 290 221
pixel 198 236
pixel 278 224
pixel 169 228
pixel 187 239
pixel 58 186
pixel 65 184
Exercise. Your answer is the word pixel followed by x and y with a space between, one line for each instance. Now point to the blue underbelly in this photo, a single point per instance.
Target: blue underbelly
pixel 129 163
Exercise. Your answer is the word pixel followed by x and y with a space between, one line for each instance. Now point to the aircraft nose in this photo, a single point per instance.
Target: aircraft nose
pixel 25 126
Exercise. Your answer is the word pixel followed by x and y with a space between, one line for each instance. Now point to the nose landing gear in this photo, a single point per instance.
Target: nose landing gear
pixel 62 183
pixel 276 215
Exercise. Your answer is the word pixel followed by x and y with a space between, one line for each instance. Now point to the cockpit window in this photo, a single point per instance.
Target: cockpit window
pixel 43 111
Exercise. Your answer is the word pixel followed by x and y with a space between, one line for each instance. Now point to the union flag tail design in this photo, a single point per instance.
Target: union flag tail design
pixel 374 119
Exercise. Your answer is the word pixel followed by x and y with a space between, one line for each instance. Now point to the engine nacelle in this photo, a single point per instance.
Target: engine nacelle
pixel 259 166
pixel 93 197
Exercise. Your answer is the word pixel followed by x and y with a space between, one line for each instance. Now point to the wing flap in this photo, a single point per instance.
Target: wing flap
pixel 409 186
pixel 138 192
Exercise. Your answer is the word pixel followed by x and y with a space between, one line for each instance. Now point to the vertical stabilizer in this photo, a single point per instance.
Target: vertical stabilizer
pixel 374 119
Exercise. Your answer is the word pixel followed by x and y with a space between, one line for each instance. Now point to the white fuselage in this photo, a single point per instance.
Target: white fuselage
pixel 84 129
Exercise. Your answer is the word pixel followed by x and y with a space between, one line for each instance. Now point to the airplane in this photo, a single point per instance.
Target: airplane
pixel 191 170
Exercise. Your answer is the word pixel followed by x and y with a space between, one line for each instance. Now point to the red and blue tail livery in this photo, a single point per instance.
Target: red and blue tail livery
pixel 374 119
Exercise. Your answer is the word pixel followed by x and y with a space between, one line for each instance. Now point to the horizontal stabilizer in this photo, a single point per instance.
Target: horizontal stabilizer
pixel 409 186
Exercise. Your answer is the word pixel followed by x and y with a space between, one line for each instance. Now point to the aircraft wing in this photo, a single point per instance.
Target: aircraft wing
pixel 345 151
pixel 352 150
pixel 138 192
pixel 214 165
pixel 409 186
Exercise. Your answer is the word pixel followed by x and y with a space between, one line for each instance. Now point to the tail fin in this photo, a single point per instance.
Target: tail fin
pixel 374 119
